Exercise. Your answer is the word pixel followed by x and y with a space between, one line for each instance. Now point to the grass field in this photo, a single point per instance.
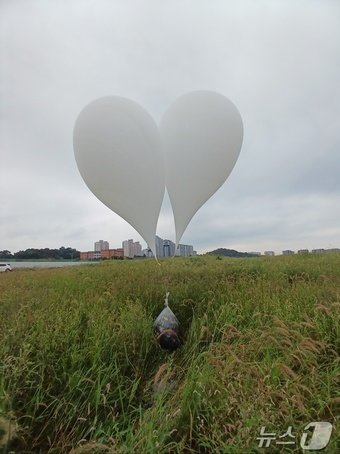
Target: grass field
pixel 82 372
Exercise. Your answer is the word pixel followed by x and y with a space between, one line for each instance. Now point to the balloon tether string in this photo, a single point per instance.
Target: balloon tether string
pixel 165 283
pixel 166 299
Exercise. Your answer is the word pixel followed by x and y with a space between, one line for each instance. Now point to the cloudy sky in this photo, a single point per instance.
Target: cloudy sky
pixel 277 60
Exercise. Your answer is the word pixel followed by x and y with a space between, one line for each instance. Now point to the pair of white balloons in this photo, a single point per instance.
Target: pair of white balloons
pixel 127 161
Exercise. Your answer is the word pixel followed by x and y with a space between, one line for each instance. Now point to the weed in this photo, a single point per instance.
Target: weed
pixel 81 371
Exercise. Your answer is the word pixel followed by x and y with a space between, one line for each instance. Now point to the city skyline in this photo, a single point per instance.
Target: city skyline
pixel 166 248
pixel 131 249
pixel 135 247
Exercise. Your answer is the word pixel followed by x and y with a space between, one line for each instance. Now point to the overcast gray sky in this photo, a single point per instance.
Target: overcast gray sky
pixel 277 60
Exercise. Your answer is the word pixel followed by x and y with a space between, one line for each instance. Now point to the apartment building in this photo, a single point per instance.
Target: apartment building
pixel 101 245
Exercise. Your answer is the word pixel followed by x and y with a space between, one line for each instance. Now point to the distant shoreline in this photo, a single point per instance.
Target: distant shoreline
pixel 40 260
pixel 20 264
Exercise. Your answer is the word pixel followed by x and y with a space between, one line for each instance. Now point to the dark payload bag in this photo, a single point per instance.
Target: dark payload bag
pixel 166 327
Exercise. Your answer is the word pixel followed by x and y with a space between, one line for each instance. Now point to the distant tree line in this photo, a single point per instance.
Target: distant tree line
pixel 63 253
pixel 230 253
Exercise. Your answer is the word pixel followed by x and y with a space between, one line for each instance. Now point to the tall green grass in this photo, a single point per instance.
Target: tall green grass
pixel 82 372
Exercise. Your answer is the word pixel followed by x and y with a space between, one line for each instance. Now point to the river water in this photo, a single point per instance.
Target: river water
pixel 37 264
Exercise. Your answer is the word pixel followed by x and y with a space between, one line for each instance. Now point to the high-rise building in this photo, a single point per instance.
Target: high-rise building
pixel 101 245
pixel 164 248
pixel 127 245
pixel 159 246
pixel 132 249
pixel 137 249
pixel 269 253
pixel 168 248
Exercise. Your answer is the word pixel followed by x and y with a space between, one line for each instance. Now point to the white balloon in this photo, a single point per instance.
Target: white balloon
pixel 118 151
pixel 202 135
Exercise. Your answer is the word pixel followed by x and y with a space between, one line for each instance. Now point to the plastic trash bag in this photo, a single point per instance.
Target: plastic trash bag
pixel 166 327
